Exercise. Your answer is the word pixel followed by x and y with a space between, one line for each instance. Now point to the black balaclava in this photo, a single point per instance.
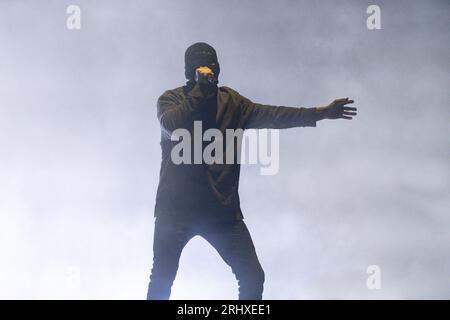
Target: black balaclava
pixel 198 55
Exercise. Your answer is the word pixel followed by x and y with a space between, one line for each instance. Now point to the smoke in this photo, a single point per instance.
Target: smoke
pixel 80 154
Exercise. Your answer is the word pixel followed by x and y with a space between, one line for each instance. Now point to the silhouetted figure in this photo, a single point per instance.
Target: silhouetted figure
pixel 202 199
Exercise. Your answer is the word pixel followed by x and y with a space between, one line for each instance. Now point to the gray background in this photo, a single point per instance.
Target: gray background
pixel 80 156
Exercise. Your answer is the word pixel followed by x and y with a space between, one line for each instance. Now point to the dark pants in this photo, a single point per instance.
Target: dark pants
pixel 231 240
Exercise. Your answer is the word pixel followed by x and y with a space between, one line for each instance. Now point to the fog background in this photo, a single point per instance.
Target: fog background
pixel 80 155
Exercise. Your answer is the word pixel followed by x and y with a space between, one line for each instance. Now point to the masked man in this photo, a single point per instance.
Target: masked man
pixel 202 198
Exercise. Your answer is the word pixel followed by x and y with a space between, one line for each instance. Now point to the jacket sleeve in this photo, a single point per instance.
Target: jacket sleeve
pixel 174 112
pixel 260 116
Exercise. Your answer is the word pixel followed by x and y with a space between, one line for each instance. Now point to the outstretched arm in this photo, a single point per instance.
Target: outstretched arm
pixel 280 117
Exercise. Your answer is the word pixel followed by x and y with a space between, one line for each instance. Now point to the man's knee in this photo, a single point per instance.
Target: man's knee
pixel 164 271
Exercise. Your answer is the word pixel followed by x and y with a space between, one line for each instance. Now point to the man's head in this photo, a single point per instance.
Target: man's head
pixel 200 54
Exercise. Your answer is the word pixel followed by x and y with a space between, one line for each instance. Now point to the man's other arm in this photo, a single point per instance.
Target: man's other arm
pixel 259 116
pixel 174 113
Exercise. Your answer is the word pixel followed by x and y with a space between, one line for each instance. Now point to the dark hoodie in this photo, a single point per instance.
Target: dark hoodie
pixel 211 191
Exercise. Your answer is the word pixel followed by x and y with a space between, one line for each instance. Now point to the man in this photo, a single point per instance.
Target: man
pixel 202 199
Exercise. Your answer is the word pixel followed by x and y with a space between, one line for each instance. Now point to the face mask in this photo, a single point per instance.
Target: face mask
pixel 201 55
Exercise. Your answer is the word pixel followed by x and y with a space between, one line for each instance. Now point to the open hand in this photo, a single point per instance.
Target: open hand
pixel 338 109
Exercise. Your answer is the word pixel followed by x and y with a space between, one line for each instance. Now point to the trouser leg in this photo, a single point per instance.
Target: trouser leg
pixel 234 244
pixel 170 237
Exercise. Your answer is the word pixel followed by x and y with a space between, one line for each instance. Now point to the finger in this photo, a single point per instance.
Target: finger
pixel 349 101
pixel 349 113
pixel 349 109
pixel 347 118
pixel 341 100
